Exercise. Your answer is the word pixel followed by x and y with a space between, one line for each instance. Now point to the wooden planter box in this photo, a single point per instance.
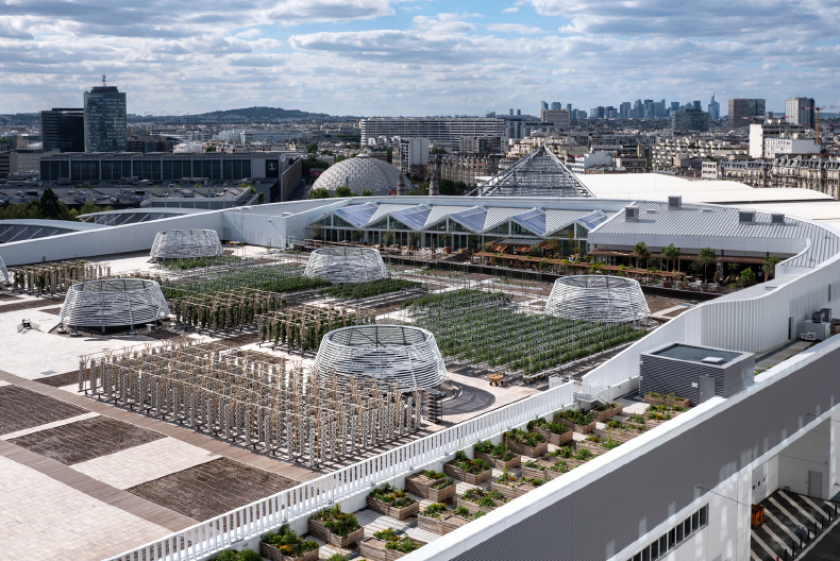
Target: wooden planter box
pixel 474 507
pixel 497 463
pixel 317 529
pixel 650 423
pixel 548 474
pixel 604 416
pixel 580 429
pixel 619 435
pixel 527 450
pixel 420 485
pixel 375 550
pixel 593 447
pixel 392 511
pixel 273 554
pixel 517 490
pixel 443 525
pixel 554 438
pixel 472 479
pixel 679 401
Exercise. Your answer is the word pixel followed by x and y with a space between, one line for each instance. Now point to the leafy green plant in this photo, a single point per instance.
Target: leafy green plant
pixel 289 543
pixel 463 462
pixel 434 510
pixel 338 522
pixel 521 437
pixel 405 545
pixel 397 498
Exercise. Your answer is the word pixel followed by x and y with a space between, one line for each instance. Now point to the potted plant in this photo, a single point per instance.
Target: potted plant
pixel 392 502
pixel 470 471
pixel 446 238
pixel 498 456
pixel 604 413
pixel 481 500
pixel 530 444
pixel 286 545
pixel 432 485
pixel 557 434
pixel 335 527
pixel 386 545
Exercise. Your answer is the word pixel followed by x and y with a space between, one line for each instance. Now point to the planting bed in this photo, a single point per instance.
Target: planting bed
pixel 481 500
pixel 473 472
pixel 499 456
pixel 606 412
pixel 23 409
pixel 212 488
pixel 85 440
pixel 435 486
pixel 392 502
pixel 476 326
pixel 529 444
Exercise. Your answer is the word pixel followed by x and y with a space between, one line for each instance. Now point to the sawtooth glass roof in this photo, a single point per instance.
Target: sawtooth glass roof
pixel 539 174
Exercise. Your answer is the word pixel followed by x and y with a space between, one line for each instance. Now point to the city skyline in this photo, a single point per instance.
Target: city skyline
pixel 386 57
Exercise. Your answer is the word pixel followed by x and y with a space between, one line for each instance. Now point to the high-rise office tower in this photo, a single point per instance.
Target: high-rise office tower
pixel 556 106
pixel 648 108
pixel 511 112
pixel 624 109
pixel 697 105
pixel 63 129
pixel 543 105
pixel 518 112
pixel 800 111
pixel 714 109
pixel 105 111
pixel 741 111
pixel 569 107
pixel 675 106
pixel 659 109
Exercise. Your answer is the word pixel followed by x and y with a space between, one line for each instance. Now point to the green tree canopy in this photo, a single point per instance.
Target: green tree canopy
pixel 319 193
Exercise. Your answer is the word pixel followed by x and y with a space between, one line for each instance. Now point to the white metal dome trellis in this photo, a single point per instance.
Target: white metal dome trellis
pixel 113 302
pixel 391 354
pixel 598 299
pixel 186 244
pixel 341 265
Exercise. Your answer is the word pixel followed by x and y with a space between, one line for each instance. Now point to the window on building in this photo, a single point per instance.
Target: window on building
pixel 397 225
pixel 439 227
pixel 339 221
pixel 581 232
pixel 501 229
pixel 517 229
pixel 380 224
pixel 457 227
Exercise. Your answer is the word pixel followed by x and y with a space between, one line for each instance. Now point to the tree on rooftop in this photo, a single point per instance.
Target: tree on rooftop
pixel 367 193
pixel 640 251
pixel 319 193
pixel 706 257
pixel 671 253
pixel 343 191
pixel 769 266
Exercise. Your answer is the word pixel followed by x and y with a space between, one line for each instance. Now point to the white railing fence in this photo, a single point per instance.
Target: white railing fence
pixel 251 521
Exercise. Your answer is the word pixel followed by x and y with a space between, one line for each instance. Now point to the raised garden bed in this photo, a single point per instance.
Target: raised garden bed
pixel 573 458
pixel 620 432
pixel 286 545
pixel 546 469
pixel 470 471
pixel 333 526
pixel 435 518
pixel 481 500
pixel 554 433
pixel 385 545
pixel 580 423
pixel 497 456
pixel 511 486
pixel 606 412
pixel 432 485
pixel 597 445
pixel 392 502
pixel 668 400
pixel 635 420
pixel 529 444
pixel 658 414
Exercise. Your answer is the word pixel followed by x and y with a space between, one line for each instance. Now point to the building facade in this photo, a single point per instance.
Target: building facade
pixel 559 118
pixel 63 130
pixel 714 109
pixel 800 111
pixel 690 120
pixel 413 154
pixel 771 128
pixel 440 131
pixel 481 144
pixel 105 120
pixel 741 111
pixel 467 167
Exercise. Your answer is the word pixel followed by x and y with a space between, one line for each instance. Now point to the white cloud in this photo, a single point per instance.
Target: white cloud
pixel 511 10
pixel 519 28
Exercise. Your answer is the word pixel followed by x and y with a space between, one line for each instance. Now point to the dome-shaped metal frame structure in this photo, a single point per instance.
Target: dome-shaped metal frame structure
pixel 5 278
pixel 342 265
pixel 360 173
pixel 186 244
pixel 391 354
pixel 113 303
pixel 598 299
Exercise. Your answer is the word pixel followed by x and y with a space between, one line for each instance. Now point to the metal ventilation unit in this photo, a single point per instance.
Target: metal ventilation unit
pixel 674 201
pixel 631 213
pixel 746 216
pixel 777 218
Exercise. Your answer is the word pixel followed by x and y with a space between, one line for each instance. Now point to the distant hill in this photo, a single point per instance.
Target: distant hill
pixel 259 114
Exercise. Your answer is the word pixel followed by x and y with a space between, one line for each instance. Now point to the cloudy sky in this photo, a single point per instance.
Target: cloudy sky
pixel 415 57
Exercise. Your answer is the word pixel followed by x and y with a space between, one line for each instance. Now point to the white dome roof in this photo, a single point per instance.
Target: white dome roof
pixel 360 173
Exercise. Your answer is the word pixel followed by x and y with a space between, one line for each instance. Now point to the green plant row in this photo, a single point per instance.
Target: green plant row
pixel 356 291
pixel 198 262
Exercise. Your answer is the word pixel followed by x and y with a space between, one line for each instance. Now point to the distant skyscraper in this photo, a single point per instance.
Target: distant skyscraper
pixel 741 111
pixel 63 129
pixel 675 106
pixel 543 105
pixel 105 111
pixel 800 111
pixel 648 109
pixel 556 106
pixel 697 105
pixel 569 107
pixel 690 120
pixel 624 110
pixel 511 112
pixel 659 109
pixel 714 109
pixel 519 112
